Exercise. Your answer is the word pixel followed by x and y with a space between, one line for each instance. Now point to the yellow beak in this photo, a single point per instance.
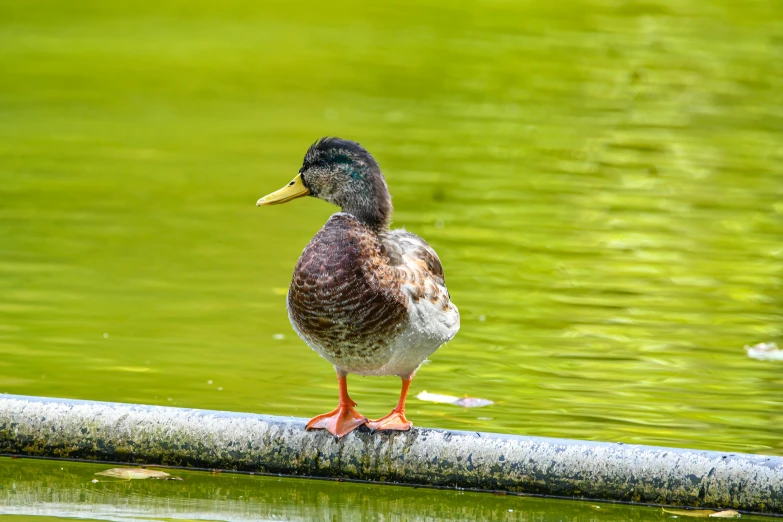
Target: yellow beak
pixel 293 190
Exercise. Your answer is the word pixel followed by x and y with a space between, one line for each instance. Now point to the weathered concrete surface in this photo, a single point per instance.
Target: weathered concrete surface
pixel 244 442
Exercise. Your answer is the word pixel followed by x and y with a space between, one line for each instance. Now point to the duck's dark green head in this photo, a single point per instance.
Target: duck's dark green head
pixel 344 173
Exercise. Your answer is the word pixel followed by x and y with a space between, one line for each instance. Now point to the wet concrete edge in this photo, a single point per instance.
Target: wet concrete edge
pixel 138 434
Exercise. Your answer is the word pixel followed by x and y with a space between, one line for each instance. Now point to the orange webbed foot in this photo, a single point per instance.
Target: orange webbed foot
pixel 339 422
pixel 394 421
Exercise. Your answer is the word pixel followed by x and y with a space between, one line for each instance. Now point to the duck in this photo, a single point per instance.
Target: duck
pixel 370 300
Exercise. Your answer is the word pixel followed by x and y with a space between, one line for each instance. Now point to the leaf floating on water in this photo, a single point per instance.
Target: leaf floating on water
pixel 136 474
pixel 765 352
pixel 702 513
pixel 436 397
pixel 465 402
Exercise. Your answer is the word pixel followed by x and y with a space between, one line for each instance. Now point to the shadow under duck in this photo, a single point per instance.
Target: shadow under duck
pixel 369 300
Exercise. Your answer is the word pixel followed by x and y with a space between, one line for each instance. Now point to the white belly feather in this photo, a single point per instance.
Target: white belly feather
pixel 428 328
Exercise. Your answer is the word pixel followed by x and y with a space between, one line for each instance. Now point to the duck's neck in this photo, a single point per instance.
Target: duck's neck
pixel 371 204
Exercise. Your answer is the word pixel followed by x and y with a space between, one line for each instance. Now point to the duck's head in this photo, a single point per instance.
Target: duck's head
pixel 341 172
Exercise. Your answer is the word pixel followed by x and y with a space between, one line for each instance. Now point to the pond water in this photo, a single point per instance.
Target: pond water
pixel 602 181
pixel 66 490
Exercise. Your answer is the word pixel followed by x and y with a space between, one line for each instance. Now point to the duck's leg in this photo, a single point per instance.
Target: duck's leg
pixel 344 419
pixel 396 419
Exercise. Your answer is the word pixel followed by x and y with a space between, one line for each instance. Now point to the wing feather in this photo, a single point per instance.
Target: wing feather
pixel 422 278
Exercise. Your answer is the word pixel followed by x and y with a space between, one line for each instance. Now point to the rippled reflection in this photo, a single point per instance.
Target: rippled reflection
pixel 65 489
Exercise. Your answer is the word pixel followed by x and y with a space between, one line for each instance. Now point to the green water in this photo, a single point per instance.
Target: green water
pixel 602 180
pixel 65 489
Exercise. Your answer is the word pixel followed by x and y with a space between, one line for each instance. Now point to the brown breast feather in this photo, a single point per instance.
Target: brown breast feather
pixel 345 297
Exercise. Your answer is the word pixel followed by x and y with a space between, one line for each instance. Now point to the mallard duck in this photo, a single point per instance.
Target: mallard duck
pixel 370 300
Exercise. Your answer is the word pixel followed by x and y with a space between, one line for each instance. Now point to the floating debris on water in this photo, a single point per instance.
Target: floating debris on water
pixel 473 402
pixel 136 474
pixel 435 397
pixel 465 402
pixel 702 513
pixel 765 352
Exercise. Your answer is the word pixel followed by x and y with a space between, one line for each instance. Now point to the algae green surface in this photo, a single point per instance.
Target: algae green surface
pixel 602 180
